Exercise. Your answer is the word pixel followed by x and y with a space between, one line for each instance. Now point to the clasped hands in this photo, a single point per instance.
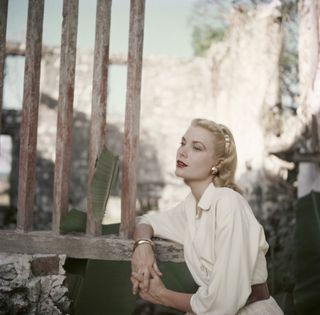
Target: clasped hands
pixel 146 277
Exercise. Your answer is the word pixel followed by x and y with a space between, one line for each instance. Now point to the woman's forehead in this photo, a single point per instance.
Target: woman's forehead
pixel 196 133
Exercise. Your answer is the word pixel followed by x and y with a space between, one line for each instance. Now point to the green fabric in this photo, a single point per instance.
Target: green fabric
pixel 103 287
pixel 74 221
pixel 307 255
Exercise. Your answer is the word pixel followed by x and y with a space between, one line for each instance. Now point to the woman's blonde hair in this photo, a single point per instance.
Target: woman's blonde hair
pixel 224 149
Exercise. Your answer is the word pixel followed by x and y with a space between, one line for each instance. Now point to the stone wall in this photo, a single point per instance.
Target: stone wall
pixel 245 80
pixel 32 284
pixel 236 83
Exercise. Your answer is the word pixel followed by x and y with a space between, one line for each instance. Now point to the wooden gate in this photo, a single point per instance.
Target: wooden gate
pixel 92 244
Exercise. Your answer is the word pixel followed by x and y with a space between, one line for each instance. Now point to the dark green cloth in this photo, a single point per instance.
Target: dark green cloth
pixel 99 287
pixel 307 255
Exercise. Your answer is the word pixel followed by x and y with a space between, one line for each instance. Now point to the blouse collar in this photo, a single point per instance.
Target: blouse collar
pixel 205 200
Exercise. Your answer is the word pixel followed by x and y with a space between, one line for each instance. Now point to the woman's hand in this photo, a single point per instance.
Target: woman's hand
pixel 154 294
pixel 143 264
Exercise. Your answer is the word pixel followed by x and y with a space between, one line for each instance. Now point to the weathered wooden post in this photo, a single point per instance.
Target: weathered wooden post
pixel 97 137
pixel 132 119
pixel 3 31
pixel 29 123
pixel 65 112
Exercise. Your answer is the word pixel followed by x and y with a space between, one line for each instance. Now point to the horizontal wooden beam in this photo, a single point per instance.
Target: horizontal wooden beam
pixel 306 157
pixel 116 59
pixel 107 247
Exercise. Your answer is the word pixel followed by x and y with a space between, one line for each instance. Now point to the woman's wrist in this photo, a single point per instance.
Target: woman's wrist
pixel 163 296
pixel 178 300
pixel 143 241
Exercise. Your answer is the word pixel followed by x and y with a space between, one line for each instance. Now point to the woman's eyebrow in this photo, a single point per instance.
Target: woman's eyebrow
pixel 194 142
pixel 199 142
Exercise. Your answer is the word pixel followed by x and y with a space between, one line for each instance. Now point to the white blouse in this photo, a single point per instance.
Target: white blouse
pixel 224 247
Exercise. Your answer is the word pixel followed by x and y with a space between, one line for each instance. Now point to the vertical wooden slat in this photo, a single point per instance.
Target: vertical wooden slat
pixel 3 30
pixel 29 122
pixel 65 112
pixel 97 136
pixel 132 119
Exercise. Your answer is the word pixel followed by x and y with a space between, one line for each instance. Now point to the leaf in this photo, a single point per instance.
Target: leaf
pixel 307 255
pixel 106 175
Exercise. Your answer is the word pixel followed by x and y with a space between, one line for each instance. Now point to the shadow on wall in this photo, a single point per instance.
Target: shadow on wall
pixel 150 178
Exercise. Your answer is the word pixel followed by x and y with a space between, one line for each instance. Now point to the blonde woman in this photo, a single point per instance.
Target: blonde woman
pixel 224 245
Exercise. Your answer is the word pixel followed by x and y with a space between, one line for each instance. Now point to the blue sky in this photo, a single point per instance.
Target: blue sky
pixel 167 32
pixel 166 25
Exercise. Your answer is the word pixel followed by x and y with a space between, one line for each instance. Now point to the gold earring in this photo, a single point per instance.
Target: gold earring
pixel 214 171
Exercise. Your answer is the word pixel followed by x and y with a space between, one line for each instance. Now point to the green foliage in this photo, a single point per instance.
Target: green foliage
pixel 280 256
pixel 203 37
pixel 279 227
pixel 210 23
pixel 106 176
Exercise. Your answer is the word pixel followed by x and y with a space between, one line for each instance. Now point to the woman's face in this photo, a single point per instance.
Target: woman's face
pixel 195 155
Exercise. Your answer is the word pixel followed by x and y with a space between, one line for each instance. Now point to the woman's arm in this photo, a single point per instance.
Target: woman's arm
pixel 177 300
pixel 159 294
pixel 143 258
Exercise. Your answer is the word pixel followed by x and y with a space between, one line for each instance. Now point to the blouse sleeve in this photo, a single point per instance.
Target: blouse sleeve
pixel 236 245
pixel 168 224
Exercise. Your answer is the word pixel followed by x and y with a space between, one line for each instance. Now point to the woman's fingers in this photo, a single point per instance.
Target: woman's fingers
pixel 156 268
pixel 146 279
pixel 154 273
pixel 140 278
pixel 135 285
pixel 137 276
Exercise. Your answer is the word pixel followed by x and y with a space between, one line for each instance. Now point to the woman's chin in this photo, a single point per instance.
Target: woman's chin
pixel 179 173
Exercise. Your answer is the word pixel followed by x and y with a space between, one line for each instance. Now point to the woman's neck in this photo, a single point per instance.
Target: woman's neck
pixel 198 188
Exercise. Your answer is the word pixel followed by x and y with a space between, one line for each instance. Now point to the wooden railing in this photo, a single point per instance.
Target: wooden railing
pixel 92 244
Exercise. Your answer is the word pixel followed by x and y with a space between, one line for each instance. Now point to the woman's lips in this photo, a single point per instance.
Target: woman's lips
pixel 181 164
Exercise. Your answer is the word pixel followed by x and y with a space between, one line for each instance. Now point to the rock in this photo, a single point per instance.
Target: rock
pixel 43 266
pixel 41 291
pixel 19 302
pixel 34 288
pixel 8 272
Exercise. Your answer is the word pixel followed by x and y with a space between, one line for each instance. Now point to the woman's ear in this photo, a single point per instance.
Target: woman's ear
pixel 218 162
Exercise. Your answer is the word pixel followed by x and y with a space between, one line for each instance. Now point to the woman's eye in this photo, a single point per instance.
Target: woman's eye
pixel 197 148
pixel 182 143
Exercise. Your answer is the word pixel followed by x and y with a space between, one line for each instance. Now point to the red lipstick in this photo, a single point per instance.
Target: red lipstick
pixel 181 164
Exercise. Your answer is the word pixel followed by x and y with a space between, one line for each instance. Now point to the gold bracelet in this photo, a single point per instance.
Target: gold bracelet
pixel 143 241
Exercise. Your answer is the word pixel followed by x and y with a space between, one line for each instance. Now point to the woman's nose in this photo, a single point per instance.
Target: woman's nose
pixel 182 152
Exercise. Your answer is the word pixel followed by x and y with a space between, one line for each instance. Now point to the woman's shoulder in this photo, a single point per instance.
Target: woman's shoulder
pixel 230 200
pixel 228 194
